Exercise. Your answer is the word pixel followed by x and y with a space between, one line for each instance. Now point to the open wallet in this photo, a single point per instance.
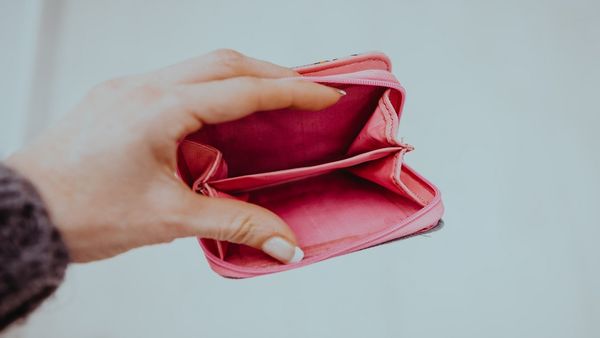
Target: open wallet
pixel 336 176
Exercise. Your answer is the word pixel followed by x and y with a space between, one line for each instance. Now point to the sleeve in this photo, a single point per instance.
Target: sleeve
pixel 33 256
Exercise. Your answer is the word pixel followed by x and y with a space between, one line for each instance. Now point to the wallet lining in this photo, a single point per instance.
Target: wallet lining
pixel 311 207
pixel 284 139
pixel 271 159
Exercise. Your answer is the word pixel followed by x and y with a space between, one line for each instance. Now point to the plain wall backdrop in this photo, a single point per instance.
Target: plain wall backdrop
pixel 502 106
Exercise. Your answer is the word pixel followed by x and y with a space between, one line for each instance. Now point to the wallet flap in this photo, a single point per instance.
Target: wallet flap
pixel 349 64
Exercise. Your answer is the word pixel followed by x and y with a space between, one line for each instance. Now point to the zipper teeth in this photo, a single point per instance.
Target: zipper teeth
pixel 388 79
pixel 379 83
pixel 404 222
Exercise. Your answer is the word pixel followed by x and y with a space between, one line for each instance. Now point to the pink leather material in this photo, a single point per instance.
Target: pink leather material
pixel 353 63
pixel 336 176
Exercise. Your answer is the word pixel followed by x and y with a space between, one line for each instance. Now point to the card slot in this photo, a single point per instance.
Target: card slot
pixel 252 182
pixel 288 138
pixel 218 152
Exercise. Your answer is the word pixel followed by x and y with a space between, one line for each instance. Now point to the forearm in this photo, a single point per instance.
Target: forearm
pixel 33 256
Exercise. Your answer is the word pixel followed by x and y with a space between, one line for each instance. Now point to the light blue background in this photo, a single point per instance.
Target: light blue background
pixel 502 106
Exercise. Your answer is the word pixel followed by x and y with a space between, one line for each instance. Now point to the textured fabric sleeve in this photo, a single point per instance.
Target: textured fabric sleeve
pixel 33 257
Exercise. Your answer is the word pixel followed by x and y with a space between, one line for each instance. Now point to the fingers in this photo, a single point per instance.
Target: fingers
pixel 218 65
pixel 226 100
pixel 242 223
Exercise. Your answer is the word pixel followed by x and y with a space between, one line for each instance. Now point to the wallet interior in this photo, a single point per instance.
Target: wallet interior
pixel 321 171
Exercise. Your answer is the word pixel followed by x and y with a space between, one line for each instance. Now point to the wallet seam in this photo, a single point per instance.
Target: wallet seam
pixel 213 166
pixel 387 66
pixel 399 159
pixel 388 120
pixel 398 182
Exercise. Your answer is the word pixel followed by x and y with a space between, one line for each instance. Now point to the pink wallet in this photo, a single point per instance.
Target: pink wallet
pixel 336 176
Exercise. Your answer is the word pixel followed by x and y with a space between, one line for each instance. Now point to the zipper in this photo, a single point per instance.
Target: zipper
pixel 383 78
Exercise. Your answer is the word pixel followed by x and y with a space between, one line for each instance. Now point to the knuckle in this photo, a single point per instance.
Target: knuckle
pixel 226 53
pixel 244 228
pixel 229 58
pixel 248 90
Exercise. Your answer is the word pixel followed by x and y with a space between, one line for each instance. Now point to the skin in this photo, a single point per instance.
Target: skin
pixel 106 170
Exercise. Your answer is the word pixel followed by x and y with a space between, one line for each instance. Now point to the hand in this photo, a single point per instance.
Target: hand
pixel 106 170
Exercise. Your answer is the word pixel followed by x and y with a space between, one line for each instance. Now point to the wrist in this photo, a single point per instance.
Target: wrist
pixel 41 182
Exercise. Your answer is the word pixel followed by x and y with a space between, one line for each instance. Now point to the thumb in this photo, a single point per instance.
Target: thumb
pixel 240 222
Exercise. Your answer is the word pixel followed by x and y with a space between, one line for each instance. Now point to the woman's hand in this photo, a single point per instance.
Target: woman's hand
pixel 106 170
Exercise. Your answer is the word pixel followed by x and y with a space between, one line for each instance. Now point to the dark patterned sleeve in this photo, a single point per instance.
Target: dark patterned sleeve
pixel 33 257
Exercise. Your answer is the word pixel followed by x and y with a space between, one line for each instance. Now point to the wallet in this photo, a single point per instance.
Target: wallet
pixel 336 176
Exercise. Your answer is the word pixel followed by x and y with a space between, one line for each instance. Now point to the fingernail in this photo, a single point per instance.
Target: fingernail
pixel 283 250
pixel 341 92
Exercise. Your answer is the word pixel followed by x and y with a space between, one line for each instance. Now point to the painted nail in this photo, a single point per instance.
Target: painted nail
pixel 282 250
pixel 342 92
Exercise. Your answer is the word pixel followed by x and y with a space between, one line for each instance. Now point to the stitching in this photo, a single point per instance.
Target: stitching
pixel 388 121
pixel 398 182
pixel 387 103
pixel 396 169
pixel 421 198
pixel 387 65
pixel 395 177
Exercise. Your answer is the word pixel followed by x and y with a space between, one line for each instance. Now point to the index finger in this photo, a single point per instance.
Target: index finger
pixel 231 99
pixel 218 65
